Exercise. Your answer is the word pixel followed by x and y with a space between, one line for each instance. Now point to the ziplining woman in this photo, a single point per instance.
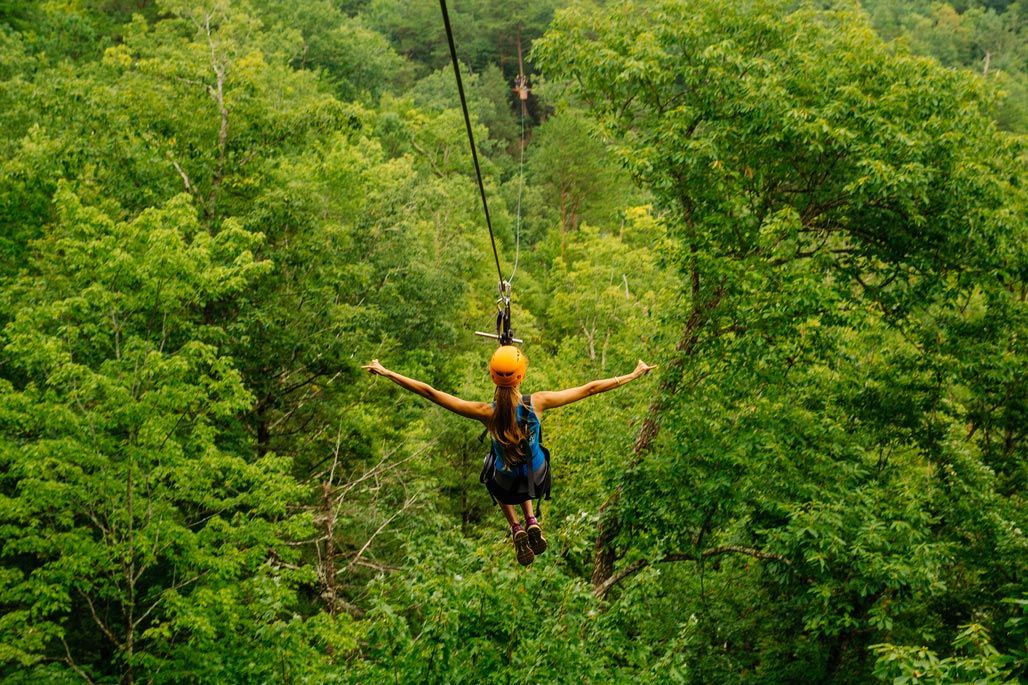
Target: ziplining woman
pixel 520 467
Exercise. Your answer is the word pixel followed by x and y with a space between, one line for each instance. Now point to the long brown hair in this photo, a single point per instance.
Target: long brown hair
pixel 505 428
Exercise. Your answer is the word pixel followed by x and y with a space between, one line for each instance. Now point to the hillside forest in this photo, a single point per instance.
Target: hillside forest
pixel 810 215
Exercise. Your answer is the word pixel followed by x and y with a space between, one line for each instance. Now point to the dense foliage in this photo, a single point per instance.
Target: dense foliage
pixel 811 215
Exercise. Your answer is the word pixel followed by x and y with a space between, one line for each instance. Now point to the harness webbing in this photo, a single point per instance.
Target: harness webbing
pixel 471 135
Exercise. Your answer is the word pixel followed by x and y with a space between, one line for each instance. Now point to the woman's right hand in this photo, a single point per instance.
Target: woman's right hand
pixel 642 368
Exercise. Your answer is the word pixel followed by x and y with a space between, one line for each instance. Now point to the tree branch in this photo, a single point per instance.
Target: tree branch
pixel 71 662
pixel 360 553
pixel 103 626
pixel 603 553
pixel 185 178
pixel 174 588
pixel 638 565
pixel 218 93
pixel 748 551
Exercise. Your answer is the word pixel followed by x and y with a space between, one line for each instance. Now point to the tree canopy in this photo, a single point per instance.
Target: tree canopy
pixel 810 215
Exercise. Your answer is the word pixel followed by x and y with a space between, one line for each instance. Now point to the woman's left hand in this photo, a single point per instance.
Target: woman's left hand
pixel 375 369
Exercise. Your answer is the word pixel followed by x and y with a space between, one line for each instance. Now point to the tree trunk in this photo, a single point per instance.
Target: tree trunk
pixel 329 515
pixel 128 676
pixel 263 437
pixel 604 552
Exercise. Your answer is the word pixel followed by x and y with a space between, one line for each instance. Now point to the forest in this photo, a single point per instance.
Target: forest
pixel 810 215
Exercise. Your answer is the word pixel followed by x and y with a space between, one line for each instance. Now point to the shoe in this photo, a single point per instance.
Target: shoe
pixel 536 540
pixel 522 548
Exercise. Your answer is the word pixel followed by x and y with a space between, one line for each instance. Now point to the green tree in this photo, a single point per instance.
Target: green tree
pixel 819 190
pixel 355 59
pixel 985 37
pixel 214 212
pixel 485 31
pixel 358 252
pixel 130 520
pixel 487 95
pixel 571 165
pixel 976 660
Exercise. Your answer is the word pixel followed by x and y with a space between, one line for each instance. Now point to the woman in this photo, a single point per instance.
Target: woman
pixel 521 465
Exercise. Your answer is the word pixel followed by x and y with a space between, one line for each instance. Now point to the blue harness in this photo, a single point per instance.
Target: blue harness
pixel 528 476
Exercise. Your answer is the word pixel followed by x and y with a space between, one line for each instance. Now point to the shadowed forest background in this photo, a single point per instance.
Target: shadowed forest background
pixel 811 215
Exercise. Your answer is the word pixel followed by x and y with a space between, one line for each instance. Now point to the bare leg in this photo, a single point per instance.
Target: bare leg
pixel 526 507
pixel 509 513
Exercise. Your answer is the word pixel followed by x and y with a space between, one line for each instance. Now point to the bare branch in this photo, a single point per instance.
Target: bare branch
pixel 218 93
pixel 603 588
pixel 749 551
pixel 71 662
pixel 303 543
pixel 379 469
pixel 382 568
pixel 406 505
pixel 103 626
pixel 427 157
pixel 185 178
pixel 173 588
pixel 302 402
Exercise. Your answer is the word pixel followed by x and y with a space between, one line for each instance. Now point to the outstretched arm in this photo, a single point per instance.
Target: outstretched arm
pixel 479 411
pixel 558 398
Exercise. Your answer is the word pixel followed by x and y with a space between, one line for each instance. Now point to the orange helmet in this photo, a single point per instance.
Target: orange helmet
pixel 508 366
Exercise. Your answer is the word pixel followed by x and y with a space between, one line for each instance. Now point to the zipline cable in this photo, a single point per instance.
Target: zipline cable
pixel 521 189
pixel 471 140
pixel 521 88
